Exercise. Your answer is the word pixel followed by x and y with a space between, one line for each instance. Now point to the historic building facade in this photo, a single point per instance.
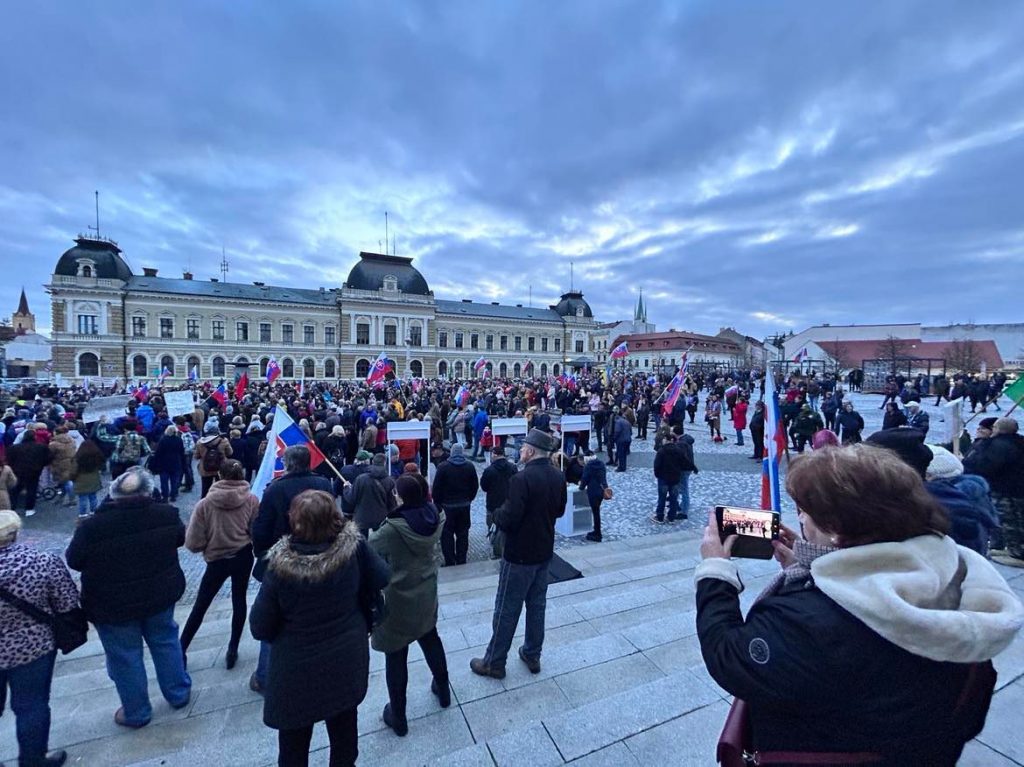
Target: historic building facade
pixel 108 321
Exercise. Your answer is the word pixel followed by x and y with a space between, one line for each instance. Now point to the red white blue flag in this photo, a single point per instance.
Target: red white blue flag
pixel 284 433
pixel 675 386
pixel 273 370
pixel 378 370
pixel 775 446
pixel 620 351
pixel 220 394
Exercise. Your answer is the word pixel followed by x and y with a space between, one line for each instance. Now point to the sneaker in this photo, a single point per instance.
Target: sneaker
pixel 1008 561
pixel 479 667
pixel 531 663
pixel 30 512
pixel 656 518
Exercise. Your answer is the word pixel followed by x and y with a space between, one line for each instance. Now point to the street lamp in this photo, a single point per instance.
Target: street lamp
pixel 408 353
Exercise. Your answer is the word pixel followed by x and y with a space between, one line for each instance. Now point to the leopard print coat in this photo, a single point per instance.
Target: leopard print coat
pixel 43 580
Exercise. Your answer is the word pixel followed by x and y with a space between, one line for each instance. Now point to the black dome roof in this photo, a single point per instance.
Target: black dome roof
pixel 570 302
pixel 371 269
pixel 103 253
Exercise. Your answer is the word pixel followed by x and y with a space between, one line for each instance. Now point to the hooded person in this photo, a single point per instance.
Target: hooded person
pixel 972 517
pixel 1000 460
pixel 455 486
pixel 211 452
pixel 371 497
pixel 407 541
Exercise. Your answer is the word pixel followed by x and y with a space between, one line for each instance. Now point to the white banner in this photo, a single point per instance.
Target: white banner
pixel 179 403
pixel 111 407
pixel 952 414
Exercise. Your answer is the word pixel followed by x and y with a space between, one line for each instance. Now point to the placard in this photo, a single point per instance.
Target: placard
pixel 953 416
pixel 507 427
pixel 179 403
pixel 112 407
pixel 409 430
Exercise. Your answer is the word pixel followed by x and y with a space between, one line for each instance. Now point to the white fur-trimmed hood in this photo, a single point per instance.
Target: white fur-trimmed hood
pixel 907 593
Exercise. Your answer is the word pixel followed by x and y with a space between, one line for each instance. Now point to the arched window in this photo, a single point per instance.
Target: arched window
pixel 139 364
pixel 288 368
pixel 264 361
pixel 516 370
pixel 88 365
pixel 193 364
pixel 417 368
pixel 457 369
pixel 218 367
pixel 544 370
pixel 362 368
pixel 87 271
pixel 330 371
pixel 554 369
pixel 442 369
pixel 503 370
pixel 490 369
pixel 167 364
pixel 308 368
pixel 242 360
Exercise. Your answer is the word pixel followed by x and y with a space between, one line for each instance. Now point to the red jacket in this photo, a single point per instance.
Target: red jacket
pixel 739 415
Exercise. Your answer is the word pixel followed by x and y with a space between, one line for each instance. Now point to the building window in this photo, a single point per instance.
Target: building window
pixel 167 364
pixel 263 366
pixel 518 343
pixel 308 368
pixel 442 369
pixel 362 368
pixel 458 339
pixel 308 334
pixel 544 370
pixel 558 345
pixel 516 370
pixel 87 271
pixel 442 339
pixel 579 346
pixel 287 334
pixel 390 283
pixel 218 367
pixel 192 328
pixel 415 335
pixel 88 365
pixel 87 324
pixel 457 369
pixel 474 341
pixel 647 363
pixel 329 339
pixel 543 344
pixel 329 370
pixel 504 343
pixel 363 333
pixel 264 332
pixel 138 327
pixel 167 327
pixel 489 342
pixel 218 332
pixel 390 335
pixel 139 366
pixel 287 368
pixel 554 369
pixel 417 368
pixel 531 344
pixel 192 364
pixel 241 331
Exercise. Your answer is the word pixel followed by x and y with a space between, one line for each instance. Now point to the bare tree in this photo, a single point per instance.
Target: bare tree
pixel 963 356
pixel 840 359
pixel 892 350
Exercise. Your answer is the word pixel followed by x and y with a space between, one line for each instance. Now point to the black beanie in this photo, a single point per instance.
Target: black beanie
pixel 907 443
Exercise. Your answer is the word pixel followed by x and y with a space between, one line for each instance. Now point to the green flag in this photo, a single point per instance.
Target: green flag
pixel 1015 391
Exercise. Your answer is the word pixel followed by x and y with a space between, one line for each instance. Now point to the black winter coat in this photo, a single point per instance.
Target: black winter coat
pixel 1000 460
pixel 817 679
pixel 455 483
pixel 308 609
pixel 536 498
pixel 271 524
pixel 127 553
pixel 670 462
pixel 169 456
pixel 27 460
pixel 494 482
pixel 595 479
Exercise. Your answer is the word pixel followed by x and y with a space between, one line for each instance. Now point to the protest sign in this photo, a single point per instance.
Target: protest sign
pixel 179 403
pixel 111 407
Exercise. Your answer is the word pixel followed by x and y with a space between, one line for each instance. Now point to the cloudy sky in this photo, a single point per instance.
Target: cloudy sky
pixel 761 165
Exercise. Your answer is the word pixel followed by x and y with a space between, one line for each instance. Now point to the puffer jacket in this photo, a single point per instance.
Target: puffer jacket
pixel 971 513
pixel 62 458
pixel 220 522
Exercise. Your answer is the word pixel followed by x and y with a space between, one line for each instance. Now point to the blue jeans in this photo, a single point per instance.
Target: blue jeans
pixel 263 664
pixel 684 493
pixel 518 585
pixel 86 504
pixel 739 436
pixel 813 401
pixel 169 484
pixel 665 490
pixel 122 643
pixel 30 702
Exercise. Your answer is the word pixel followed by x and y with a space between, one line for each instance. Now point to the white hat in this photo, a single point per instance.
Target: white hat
pixel 10 523
pixel 913 403
pixel 944 464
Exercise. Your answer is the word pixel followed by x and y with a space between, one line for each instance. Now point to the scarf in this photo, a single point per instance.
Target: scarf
pixel 800 570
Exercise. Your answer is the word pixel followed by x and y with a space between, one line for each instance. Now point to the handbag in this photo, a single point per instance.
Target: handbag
pixel 371 600
pixel 608 493
pixel 70 629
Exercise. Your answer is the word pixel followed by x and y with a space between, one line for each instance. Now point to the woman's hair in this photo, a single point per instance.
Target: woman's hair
pixel 171 431
pixel 232 470
pixel 314 518
pixel 89 457
pixel 864 494
pixel 409 490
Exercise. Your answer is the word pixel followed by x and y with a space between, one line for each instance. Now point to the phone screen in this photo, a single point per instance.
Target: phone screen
pixel 756 529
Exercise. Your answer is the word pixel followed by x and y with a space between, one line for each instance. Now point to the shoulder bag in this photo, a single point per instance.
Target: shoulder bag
pixel 70 629
pixel 371 600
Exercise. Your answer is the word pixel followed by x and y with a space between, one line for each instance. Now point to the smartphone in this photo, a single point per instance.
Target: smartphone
pixel 756 529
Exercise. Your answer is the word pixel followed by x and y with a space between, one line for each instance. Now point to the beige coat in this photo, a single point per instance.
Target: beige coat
pixel 7 481
pixel 62 458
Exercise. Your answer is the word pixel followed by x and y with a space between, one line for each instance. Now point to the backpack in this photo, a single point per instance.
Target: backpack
pixel 213 457
pixel 130 451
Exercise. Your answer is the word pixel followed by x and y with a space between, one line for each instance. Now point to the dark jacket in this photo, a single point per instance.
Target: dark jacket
pixel 622 432
pixel 536 498
pixel 168 456
pixel 494 481
pixel 827 682
pixel 271 524
pixel 851 425
pixel 999 459
pixel 371 498
pixel 127 553
pixel 27 460
pixel 670 462
pixel 893 419
pixel 971 513
pixel 918 421
pixel 595 479
pixel 308 609
pixel 455 483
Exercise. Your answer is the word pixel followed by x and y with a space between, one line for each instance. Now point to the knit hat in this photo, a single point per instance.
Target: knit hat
pixel 363 455
pixel 457 450
pixel 907 443
pixel 337 431
pixel 10 523
pixel 987 423
pixel 409 490
pixel 944 464
pixel 913 404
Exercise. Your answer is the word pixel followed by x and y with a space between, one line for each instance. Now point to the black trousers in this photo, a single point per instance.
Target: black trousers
pixel 206 484
pixel 595 511
pixel 455 535
pixel 238 568
pixel 31 488
pixel 343 731
pixel 758 439
pixel 396 669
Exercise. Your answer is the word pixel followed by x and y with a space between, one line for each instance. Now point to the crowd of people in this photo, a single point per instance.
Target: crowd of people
pixel 345 552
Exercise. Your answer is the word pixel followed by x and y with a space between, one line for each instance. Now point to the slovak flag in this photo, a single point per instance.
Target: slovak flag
pixel 273 371
pixel 620 351
pixel 480 364
pixel 732 390
pixel 800 356
pixel 142 392
pixel 775 446
pixel 675 387
pixel 462 396
pixel 220 394
pixel 283 435
pixel 193 374
pixel 164 375
pixel 378 369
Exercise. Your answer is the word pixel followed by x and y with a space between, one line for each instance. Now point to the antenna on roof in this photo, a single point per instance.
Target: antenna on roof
pixel 531 296
pixel 223 265
pixel 385 232
pixel 571 283
pixel 97 227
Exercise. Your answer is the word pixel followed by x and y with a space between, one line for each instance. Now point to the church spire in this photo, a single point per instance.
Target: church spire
pixel 640 315
pixel 23 303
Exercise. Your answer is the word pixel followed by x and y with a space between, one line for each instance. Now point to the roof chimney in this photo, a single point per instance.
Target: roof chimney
pixel 258 284
pixel 148 271
pixel 186 275
pixel 214 279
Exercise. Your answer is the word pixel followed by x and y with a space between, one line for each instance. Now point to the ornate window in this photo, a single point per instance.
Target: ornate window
pixel 442 369
pixel 88 364
pixel 362 368
pixel 543 344
pixel 458 339
pixel 558 346
pixel 489 342
pixel 308 368
pixel 474 341
pixel 390 283
pixel 218 367
pixel 288 367
pixel 503 343
pixel 88 324
pixel 543 370
pixel 390 334
pixel 167 364
pixel 139 365
pixel 287 334
pixel 457 368
pixel 554 369
pixel 531 344
pixel 218 331
pixel 329 337
pixel 503 370
pixel 442 339
pixel 516 370
pixel 518 343
pixel 417 368
pixel 308 335
pixel 415 335
pixel 264 361
pixel 363 333
pixel 192 364
pixel 138 327
pixel 192 328
pixel 167 327
pixel 330 371
pixel 264 332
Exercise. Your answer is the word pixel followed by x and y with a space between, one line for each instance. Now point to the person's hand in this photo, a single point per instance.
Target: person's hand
pixel 711 546
pixel 784 546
